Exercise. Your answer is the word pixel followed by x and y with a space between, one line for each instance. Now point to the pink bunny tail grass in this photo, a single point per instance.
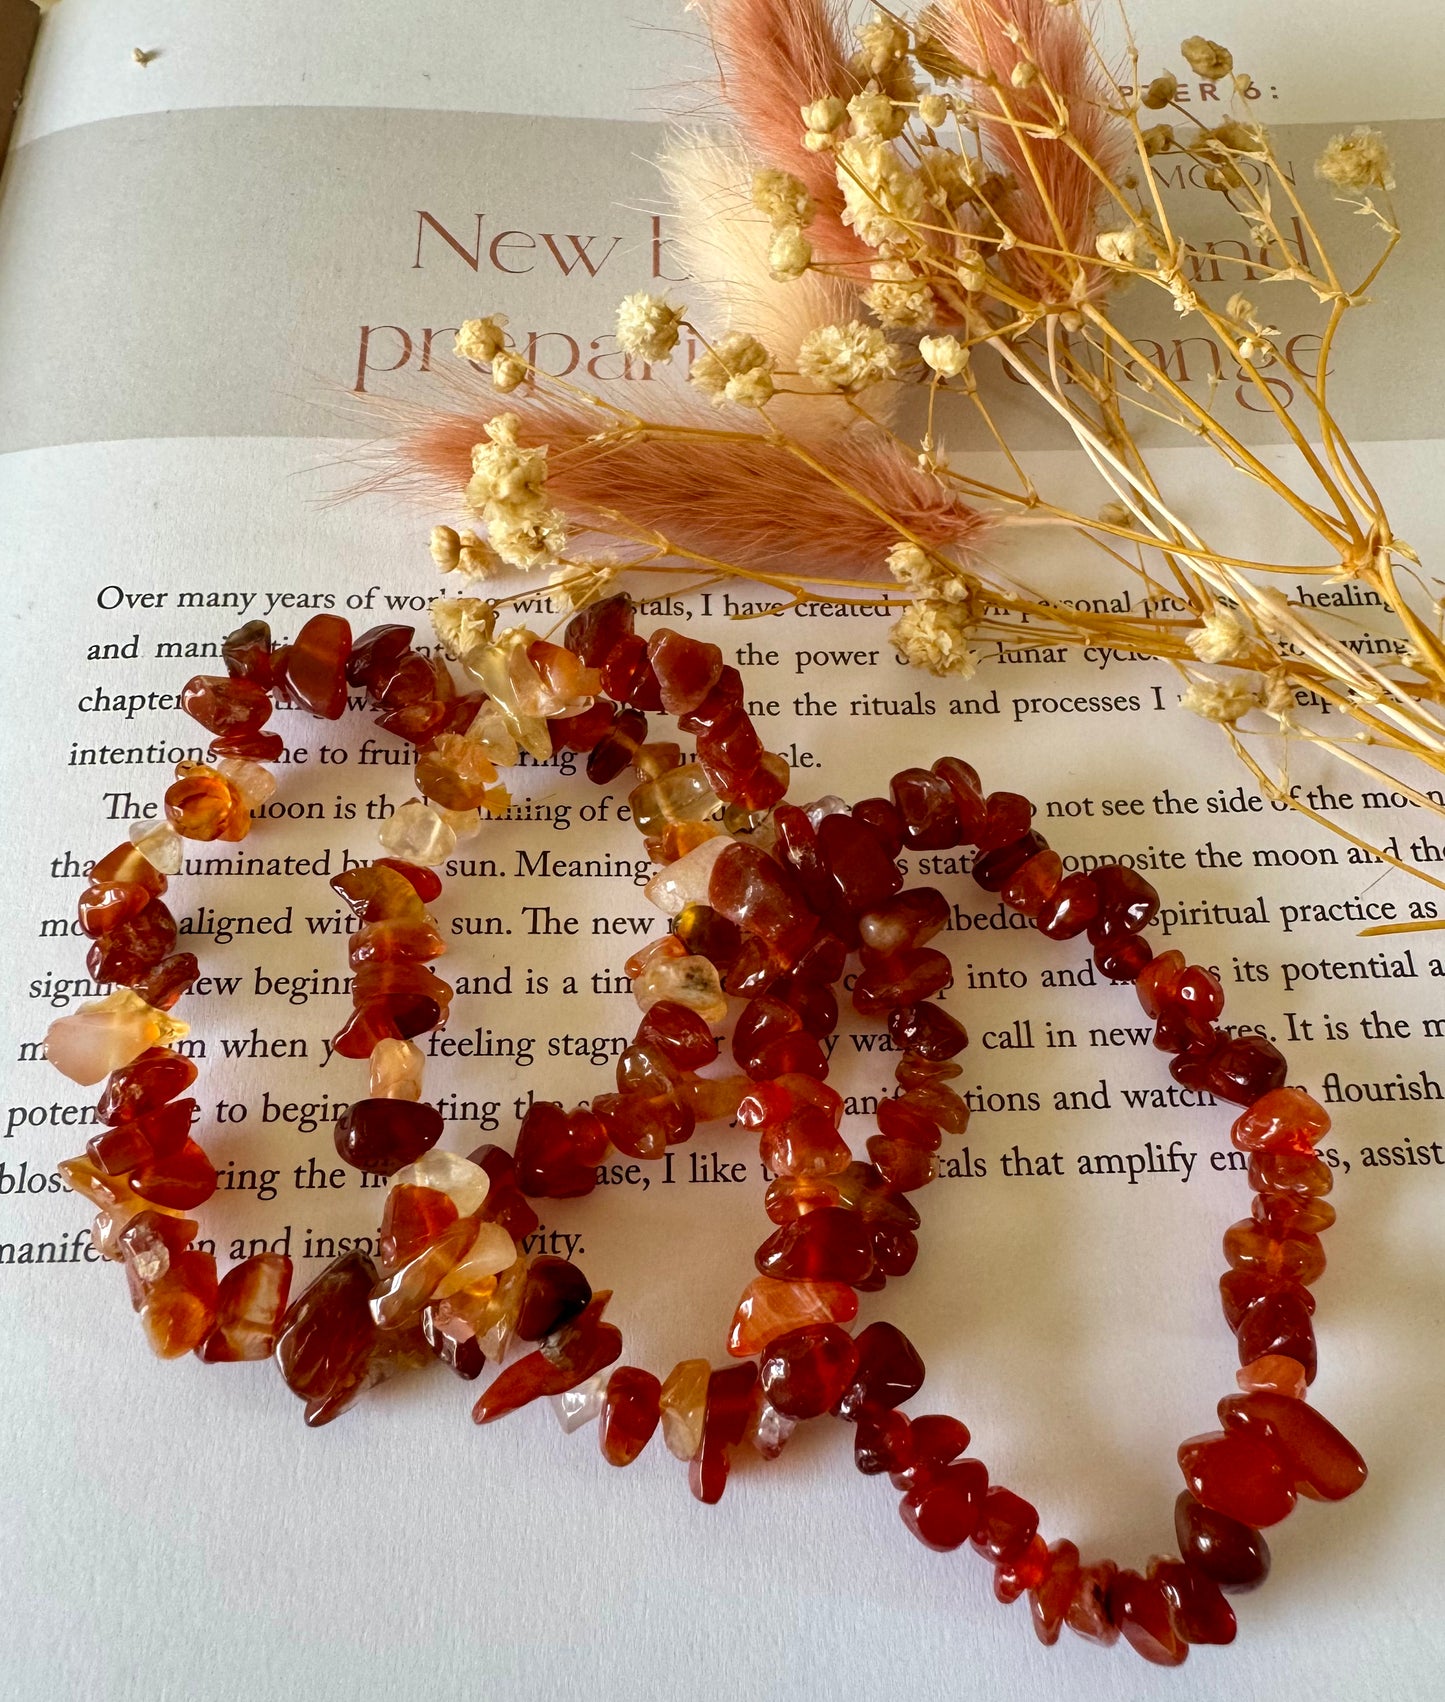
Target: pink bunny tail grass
pixel 777 56
pixel 1057 41
pixel 748 501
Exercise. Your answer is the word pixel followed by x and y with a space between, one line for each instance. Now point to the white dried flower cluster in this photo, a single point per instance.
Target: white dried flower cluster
pixel 928 575
pixel 1160 92
pixel 647 326
pixel 944 355
pixel 1279 696
pixel 446 548
pixel 899 297
pixel 935 635
pixel 1207 58
pixel 789 254
pixel 1222 638
pixel 737 369
pixel 881 196
pixel 933 110
pixel 463 552
pixel 1360 160
pixel 820 119
pixel 846 357
pixel 1118 247
pixel 581 582
pixel 949 177
pixel 481 339
pixel 873 114
pixel 783 197
pixel 463 625
pixel 882 42
pixel 1224 701
pixel 508 489
pixel 508 370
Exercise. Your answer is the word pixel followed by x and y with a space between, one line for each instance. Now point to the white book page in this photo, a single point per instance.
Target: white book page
pixel 207 267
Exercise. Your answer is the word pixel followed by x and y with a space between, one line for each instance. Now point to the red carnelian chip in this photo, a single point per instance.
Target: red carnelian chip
pixel 1197 1608
pixel 732 1396
pixel 630 1414
pixel 828 1245
pixel 889 1371
pixel 382 1136
pixel 1143 1613
pixel 157 1134
pixel 411 1220
pixel 170 978
pixel 1239 1474
pixel 155 1077
pixel 226 706
pixel 1325 1466
pixel 180 1180
pixel 246 653
pixel 805 1371
pixel 1234 1555
pixel 313 671
pixel 943 1512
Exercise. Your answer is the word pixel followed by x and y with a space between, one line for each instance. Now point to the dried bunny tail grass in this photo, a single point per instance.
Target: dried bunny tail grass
pixel 778 56
pixel 742 499
pixel 1056 198
pixel 723 243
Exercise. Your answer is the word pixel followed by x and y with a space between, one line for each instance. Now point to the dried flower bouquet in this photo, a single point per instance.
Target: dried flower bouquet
pixel 894 221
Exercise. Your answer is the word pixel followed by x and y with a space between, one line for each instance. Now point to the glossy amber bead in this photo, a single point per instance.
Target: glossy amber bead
pixel 944 1511
pixel 179 1307
pixel 1030 887
pixel 1324 1465
pixel 927 1030
pixel 906 978
pixel 805 1371
pixel 400 1296
pixel 555 1292
pixel 1249 1246
pixel 934 1440
pixel 828 1245
pixel 1279 1323
pixel 859 862
pixel 205 805
pixel 806 1144
pixel 226 706
pixel 926 803
pixel 163 986
pixel 327 1338
pixel 312 672
pixel 762 897
pixel 683 1398
pixel 1241 1068
pixel 103 907
pixel 1239 1474
pixel 1127 902
pixel 1286 1119
pixel 1283 1215
pixel 902 1165
pixel 455 772
pixel 770 1308
pixel 1050 1598
pixel 179 1181
pixel 883 1442
pixel 594 632
pixel 889 1371
pixel 246 653
pixel 631 1409
pixel 134 947
pixel 1087 1614
pixel 1006 1525
pixel 412 1219
pixel 1143 1613
pixel 732 1397
pixel 141 1141
pixel 993 870
pixel 376 651
pixel 551 1163
pixel 155 1078
pixel 628 677
pixel 1275 1372
pixel 380 1136
pixel 1239 1289
pixel 1069 909
pixel 1029 1569
pixel 577 1351
pixel 962 780
pixel 1233 1554
pixel 911 918
pixel 249 1306
pixel 1198 1611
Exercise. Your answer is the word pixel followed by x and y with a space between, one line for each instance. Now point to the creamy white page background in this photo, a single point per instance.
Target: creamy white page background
pixel 173 1531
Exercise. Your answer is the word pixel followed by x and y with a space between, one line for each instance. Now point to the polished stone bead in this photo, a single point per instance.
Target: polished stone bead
pixel 383 891
pixel 1030 887
pixel 556 1291
pixel 204 805
pixel 417 834
pixel 455 772
pixel 1324 1466
pixel 246 653
pixel 327 1337
pixel 1241 1068
pixel 667 971
pixel 160 844
pixel 993 870
pixel 250 747
pixel 453 1328
pixel 1237 1473
pixel 376 652
pixel 770 1308
pixel 312 673
pixel 944 1511
pixel 1143 1613
pixel 903 1166
pixel 616 748
pixel 179 1307
pixel 912 918
pixel 132 948
pixel 883 1442
pixel 1127 901
pixel 1286 1119
pixel 906 978
pixel 910 1124
pixel 449 1173
pixel 628 677
pixel 644 1125
pixel 828 1245
pixel 934 1440
pixel 398 1299
pixel 883 817
pixel 146 1245
pixel 381 1136
pixel 680 1034
pixel 926 803
pixel 1014 1578
pixel 858 861
pixel 1248 1246
pixel 682 794
pixel 1087 1614
pixel 962 780
pixel 689 879
pixel 1123 959
pixel 732 1397
pixel 927 1030
pixel 1284 1215
pixel 804 1372
pixel 1239 1289
pixel 224 705
pixel 1198 1610
pixel 804 1145
pixel 1285 1172
pixel 762 897
pixel 412 1219
pixel 396 1068
pixel 143 1140
pixel 1070 909
pixel 630 1413
pixel 179 1181
pixel 150 1081
pixel 551 1162
pixel 594 632
pixel 1276 1373
pixel 681 1403
pixel 164 985
pixel 1233 1554
pixel 249 1307
pixel 579 1349
pixel 889 1371
pixel 1049 1599
pixel 687 669
pixel 1006 1525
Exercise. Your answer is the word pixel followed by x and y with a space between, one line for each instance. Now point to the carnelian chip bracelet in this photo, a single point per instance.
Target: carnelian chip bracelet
pixel 780 897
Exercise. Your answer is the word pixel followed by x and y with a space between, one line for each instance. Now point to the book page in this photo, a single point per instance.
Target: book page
pixel 215 272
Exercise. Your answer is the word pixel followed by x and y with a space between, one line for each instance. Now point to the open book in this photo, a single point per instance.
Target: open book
pixel 210 266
